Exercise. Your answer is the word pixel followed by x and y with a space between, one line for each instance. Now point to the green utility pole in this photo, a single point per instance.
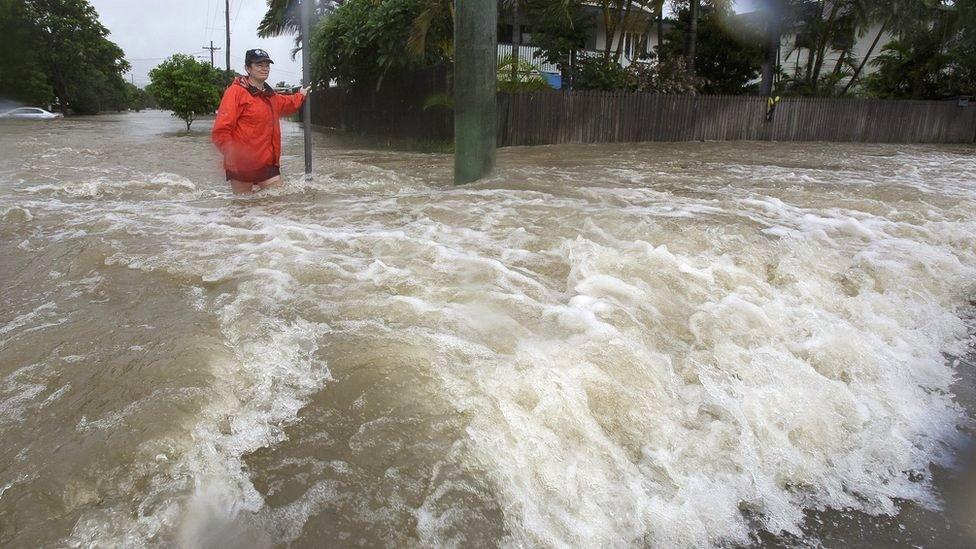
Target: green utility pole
pixel 475 84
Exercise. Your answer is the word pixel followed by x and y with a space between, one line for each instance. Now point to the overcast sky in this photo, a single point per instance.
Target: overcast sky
pixel 149 31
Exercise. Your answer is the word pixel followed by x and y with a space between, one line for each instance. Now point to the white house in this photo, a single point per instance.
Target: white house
pixel 792 58
pixel 637 29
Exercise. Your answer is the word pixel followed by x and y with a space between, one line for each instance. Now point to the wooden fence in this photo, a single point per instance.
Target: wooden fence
pixel 403 108
pixel 553 117
pixel 609 117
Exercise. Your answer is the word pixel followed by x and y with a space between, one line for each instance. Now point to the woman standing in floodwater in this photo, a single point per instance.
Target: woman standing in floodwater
pixel 247 130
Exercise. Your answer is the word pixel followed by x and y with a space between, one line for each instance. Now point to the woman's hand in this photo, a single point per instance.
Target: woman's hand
pixel 305 90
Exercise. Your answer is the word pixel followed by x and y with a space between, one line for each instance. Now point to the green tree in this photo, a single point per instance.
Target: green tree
pixel 284 17
pixel 519 75
pixel 105 92
pixel 186 87
pixel 726 62
pixel 832 28
pixel 58 49
pixel 962 50
pixel 560 29
pixel 22 77
pixel 364 41
pixel 138 98
pixel 670 76
pixel 933 58
pixel 596 73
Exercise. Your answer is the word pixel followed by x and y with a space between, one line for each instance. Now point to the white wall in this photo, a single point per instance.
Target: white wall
pixel 636 29
pixel 792 58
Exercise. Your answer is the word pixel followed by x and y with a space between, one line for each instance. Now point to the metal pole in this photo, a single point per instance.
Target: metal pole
pixel 306 81
pixel 227 26
pixel 212 50
pixel 475 85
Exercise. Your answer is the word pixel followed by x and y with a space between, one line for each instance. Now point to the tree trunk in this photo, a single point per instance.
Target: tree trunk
pixel 609 27
pixel 770 54
pixel 622 22
pixel 867 56
pixel 660 27
pixel 813 43
pixel 840 60
pixel 825 39
pixel 691 41
pixel 645 42
pixel 809 68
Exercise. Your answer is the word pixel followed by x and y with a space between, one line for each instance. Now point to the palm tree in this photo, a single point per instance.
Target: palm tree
pixel 657 7
pixel 894 16
pixel 283 17
pixel 433 10
pixel 691 40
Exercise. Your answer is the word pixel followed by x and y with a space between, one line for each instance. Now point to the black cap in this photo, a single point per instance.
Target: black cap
pixel 256 56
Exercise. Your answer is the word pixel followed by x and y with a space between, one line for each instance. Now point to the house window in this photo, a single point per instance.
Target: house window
pixel 632 43
pixel 504 34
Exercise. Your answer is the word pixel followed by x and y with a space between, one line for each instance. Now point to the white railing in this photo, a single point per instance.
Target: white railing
pixel 527 54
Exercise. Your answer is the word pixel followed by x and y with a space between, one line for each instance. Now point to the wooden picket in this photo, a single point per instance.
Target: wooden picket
pixel 552 117
pixel 607 117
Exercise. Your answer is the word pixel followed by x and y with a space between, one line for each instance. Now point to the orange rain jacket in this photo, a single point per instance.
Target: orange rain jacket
pixel 247 130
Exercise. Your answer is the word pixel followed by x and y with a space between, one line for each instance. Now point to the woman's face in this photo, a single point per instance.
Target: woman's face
pixel 260 70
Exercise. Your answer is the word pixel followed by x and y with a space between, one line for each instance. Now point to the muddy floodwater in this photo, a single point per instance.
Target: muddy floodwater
pixel 654 345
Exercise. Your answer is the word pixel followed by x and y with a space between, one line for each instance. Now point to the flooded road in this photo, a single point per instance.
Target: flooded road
pixel 663 345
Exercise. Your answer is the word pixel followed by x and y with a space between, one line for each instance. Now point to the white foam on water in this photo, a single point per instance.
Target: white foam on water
pixel 201 484
pixel 42 311
pixel 17 215
pixel 686 396
pixel 641 367
pixel 150 186
pixel 21 392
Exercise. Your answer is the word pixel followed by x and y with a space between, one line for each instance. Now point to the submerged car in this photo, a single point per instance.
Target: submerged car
pixel 30 112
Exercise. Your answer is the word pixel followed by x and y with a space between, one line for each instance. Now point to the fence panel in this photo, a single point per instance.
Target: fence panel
pixel 551 117
pixel 607 117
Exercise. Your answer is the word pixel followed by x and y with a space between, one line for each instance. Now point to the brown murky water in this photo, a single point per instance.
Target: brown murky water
pixel 632 345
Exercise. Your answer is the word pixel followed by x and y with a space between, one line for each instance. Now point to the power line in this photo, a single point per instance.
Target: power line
pixel 227 26
pixel 213 21
pixel 240 4
pixel 207 18
pixel 192 54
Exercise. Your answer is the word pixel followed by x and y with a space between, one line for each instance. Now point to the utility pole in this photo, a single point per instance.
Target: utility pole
pixel 475 84
pixel 227 25
pixel 306 17
pixel 212 49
